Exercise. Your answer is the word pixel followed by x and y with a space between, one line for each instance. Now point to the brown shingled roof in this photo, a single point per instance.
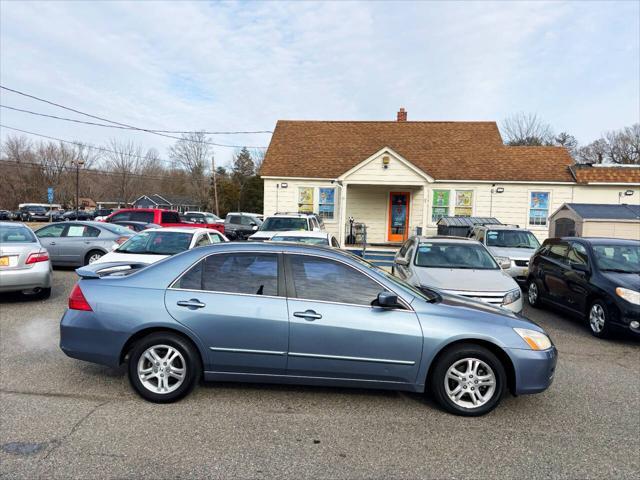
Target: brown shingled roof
pixel 443 150
pixel 589 174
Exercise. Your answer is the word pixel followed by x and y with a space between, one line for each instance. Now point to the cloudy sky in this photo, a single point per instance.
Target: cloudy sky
pixel 244 65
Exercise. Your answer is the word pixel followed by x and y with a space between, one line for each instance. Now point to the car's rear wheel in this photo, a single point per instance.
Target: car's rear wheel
pixel 599 317
pixel 468 380
pixel 93 256
pixel 533 293
pixel 163 367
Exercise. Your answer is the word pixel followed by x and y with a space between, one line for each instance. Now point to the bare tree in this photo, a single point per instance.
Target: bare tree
pixel 193 154
pixel 617 147
pixel 526 129
pixel 124 159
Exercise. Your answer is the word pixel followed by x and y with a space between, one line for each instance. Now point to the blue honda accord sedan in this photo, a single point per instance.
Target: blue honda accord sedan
pixel 298 314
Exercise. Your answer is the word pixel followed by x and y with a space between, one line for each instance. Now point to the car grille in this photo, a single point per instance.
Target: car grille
pixel 491 298
pixel 522 263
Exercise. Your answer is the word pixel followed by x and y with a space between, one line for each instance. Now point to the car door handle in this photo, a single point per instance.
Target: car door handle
pixel 308 315
pixel 192 304
pixel 52 243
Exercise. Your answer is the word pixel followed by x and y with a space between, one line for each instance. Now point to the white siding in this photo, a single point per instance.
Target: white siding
pixel 396 173
pixel 605 194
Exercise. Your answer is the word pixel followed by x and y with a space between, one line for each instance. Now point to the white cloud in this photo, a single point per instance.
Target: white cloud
pixel 242 66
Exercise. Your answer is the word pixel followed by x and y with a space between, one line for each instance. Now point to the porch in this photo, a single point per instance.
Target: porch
pixel 390 213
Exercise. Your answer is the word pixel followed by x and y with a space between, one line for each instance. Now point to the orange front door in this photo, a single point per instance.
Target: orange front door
pixel 398 229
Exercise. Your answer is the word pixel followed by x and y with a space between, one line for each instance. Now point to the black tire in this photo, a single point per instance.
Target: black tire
pixel 93 253
pixel 393 270
pixel 600 309
pixel 456 354
pixel 535 293
pixel 192 366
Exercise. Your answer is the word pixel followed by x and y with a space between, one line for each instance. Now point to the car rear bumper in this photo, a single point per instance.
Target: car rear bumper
pixel 38 276
pixel 83 337
pixel 534 370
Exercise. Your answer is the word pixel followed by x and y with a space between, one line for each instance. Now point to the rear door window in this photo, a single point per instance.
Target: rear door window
pixel 54 231
pixel 169 217
pixel 558 252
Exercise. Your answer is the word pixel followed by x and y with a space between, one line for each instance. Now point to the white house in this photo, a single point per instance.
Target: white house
pixel 395 176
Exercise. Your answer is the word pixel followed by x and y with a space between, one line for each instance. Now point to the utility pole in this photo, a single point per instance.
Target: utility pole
pixel 78 164
pixel 215 183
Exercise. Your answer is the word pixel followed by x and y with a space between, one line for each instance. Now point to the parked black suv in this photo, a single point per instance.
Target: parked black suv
pixel 598 278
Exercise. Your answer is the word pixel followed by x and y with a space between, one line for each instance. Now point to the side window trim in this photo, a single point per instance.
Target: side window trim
pixel 291 291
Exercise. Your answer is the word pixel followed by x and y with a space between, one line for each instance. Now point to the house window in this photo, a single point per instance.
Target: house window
pixel 538 208
pixel 305 200
pixel 464 203
pixel 440 205
pixel 326 203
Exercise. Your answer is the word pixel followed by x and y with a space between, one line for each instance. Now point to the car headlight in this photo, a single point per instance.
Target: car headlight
pixel 503 260
pixel 536 340
pixel 511 296
pixel 629 295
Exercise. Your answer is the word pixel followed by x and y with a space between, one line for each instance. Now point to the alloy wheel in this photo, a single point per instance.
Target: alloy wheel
pixel 95 257
pixel 470 383
pixel 597 318
pixel 161 369
pixel 532 293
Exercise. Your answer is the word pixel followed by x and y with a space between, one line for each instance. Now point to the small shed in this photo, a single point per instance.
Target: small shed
pixel 595 220
pixel 462 226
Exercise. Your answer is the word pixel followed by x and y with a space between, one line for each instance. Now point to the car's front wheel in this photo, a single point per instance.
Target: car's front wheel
pixel 533 293
pixel 599 319
pixel 163 367
pixel 468 380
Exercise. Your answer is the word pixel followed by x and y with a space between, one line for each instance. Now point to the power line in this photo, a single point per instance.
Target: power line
pixel 129 128
pixel 120 123
pixel 102 149
pixel 87 170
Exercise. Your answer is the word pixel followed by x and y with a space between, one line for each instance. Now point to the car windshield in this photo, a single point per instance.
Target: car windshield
pixel 157 243
pixel 294 238
pixel 512 239
pixel 617 258
pixel 454 255
pixel 282 224
pixel 16 234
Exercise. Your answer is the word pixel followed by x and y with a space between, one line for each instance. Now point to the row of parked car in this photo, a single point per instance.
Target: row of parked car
pixel 272 311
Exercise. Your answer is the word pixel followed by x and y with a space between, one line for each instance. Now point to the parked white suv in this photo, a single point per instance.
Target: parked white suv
pixel 284 222
pixel 508 244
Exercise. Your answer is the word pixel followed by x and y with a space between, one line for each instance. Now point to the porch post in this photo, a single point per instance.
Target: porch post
pixel 425 208
pixel 343 214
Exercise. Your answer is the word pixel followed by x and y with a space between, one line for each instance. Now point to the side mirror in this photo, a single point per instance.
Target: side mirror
pixel 114 246
pixel 316 229
pixel 387 299
pixel 402 261
pixel 253 224
pixel 580 267
pixel 254 228
pixel 505 265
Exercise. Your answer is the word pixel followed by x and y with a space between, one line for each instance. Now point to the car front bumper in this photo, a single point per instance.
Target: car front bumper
pixel 534 369
pixel 629 319
pixel 37 276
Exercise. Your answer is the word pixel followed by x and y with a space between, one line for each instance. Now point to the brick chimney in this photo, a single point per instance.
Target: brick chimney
pixel 402 115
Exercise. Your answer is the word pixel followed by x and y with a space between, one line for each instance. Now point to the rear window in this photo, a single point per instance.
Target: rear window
pixel 16 234
pixel 167 217
pixel 282 224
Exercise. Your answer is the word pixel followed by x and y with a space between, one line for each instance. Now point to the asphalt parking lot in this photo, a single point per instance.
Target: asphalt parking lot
pixel 62 418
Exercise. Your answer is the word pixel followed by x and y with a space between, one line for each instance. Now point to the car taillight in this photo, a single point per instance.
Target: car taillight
pixel 77 300
pixel 37 257
pixel 121 240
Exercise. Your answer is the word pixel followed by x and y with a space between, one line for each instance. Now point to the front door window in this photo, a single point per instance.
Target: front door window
pixel 398 216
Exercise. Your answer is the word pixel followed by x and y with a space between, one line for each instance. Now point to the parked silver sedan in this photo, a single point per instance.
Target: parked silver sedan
pixel 81 243
pixel 24 263
pixel 459 266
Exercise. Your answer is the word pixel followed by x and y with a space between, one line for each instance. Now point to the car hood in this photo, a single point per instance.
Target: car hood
pixel 624 280
pixel 464 314
pixel 465 280
pixel 263 235
pixel 512 253
pixel 130 257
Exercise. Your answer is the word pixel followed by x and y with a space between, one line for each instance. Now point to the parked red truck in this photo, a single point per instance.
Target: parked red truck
pixel 164 218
